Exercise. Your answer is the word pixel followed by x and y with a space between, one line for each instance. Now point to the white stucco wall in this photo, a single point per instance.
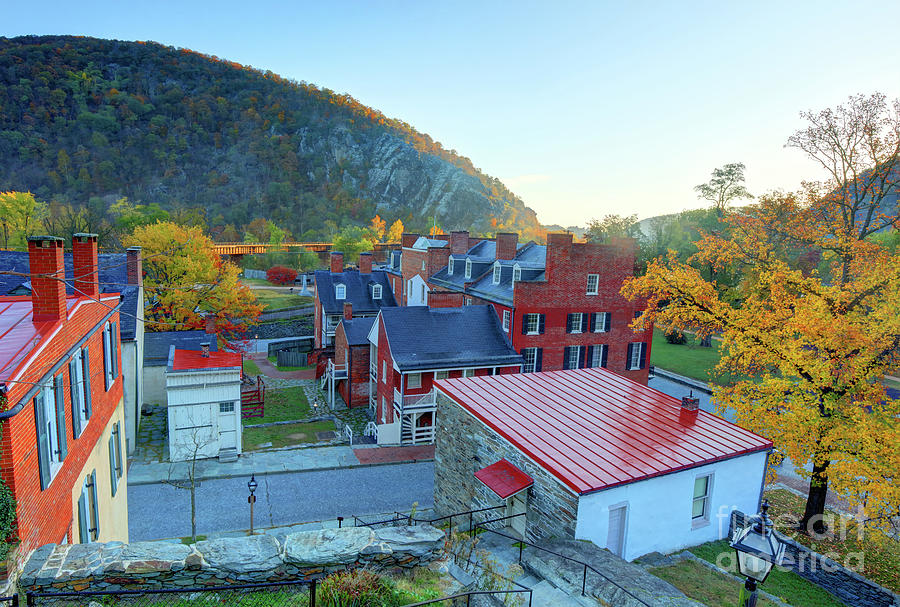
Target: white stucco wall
pixel 193 411
pixel 155 385
pixel 658 517
pixel 414 292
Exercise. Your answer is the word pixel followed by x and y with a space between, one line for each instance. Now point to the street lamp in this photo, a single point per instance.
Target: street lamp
pixel 758 549
pixel 252 485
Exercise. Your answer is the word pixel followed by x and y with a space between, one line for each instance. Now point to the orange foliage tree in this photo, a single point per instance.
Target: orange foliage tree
pixel 395 231
pixel 378 226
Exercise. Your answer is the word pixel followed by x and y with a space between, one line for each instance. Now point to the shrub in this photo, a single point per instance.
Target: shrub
pixel 356 588
pixel 281 275
pixel 675 337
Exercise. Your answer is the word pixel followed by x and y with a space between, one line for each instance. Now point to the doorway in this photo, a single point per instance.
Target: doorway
pixel 227 427
pixel 615 537
pixel 517 504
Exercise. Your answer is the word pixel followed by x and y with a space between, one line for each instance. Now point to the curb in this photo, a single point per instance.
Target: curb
pixel 681 379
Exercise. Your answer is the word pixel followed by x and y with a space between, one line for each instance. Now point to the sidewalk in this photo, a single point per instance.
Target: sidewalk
pixel 278 461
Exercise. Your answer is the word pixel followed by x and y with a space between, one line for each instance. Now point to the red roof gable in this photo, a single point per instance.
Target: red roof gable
pixel 186 360
pixel 504 479
pixel 593 429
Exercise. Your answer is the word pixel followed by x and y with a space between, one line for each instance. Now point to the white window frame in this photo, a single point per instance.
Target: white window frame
pixel 110 353
pixel 450 267
pixel 703 518
pixel 636 349
pixel 532 319
pixel 79 397
pixel 414 381
pixel 530 356
pixel 468 372
pixel 573 316
pixel 467 301
pixel 47 400
pixel 376 291
pixel 468 268
pixel 226 407
pixel 384 371
pixel 507 318
pixel 340 291
pixel 423 265
pixel 596 360
pixel 599 322
pixel 441 374
pixel 517 273
pixel 498 269
pixel 595 288
pixel 577 358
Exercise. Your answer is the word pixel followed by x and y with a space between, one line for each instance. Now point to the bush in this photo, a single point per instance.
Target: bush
pixel 356 588
pixel 7 519
pixel 281 275
pixel 676 337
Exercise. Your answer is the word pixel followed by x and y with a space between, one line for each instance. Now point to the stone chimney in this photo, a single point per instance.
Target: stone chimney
pixel 459 242
pixel 135 266
pixel 84 266
pixel 408 240
pixel 48 287
pixel 348 310
pixel 506 245
pixel 204 349
pixel 690 404
pixel 365 263
pixel 337 262
pixel 445 299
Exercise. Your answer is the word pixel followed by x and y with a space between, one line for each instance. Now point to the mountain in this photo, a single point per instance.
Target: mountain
pixel 83 119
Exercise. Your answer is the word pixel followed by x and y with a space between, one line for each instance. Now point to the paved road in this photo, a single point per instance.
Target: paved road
pixel 162 511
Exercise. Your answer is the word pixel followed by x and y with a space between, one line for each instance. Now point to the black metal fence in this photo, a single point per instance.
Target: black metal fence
pixel 9 600
pixel 270 594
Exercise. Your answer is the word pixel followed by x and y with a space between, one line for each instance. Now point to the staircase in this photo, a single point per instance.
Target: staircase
pixel 228 455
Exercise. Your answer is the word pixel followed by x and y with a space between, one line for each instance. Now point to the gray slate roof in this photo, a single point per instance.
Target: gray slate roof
pixel 357 330
pixel 157 345
pixel 359 291
pixel 446 338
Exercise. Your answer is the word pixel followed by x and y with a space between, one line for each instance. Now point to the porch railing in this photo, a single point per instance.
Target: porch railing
pixel 411 403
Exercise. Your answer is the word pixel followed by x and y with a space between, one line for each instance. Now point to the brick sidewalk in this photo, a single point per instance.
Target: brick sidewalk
pixel 391 455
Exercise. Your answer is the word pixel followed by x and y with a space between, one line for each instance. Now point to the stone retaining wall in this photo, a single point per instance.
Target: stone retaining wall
pixel 847 585
pixel 259 558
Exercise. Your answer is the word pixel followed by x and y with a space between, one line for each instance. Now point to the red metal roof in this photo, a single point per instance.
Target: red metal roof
pixel 19 335
pixel 185 360
pixel 504 479
pixel 593 429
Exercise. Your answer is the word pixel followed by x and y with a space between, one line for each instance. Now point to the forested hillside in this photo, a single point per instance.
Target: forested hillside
pixel 84 122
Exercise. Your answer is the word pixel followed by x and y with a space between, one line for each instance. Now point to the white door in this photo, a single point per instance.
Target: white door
pixel 227 426
pixel 192 432
pixel 517 504
pixel 615 537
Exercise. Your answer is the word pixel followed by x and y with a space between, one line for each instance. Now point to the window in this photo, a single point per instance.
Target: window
pixel 593 284
pixel 115 455
pixel 450 267
pixel 376 291
pixel 507 316
pixel 340 291
pixel 88 517
pixel 226 407
pixel 571 357
pixel 422 293
pixel 468 372
pixel 467 301
pixel 384 371
pixel 383 410
pixel 50 423
pixel 414 380
pixel 532 358
pixel 700 507
pixel 423 265
pixel 468 268
pixel 532 324
pixel 601 322
pixel 79 369
pixel 636 356
pixel 497 271
pixel 596 355
pixel 442 375
pixel 573 322
pixel 517 273
pixel 111 352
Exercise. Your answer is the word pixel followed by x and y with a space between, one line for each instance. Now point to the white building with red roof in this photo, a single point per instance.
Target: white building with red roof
pixel 589 454
pixel 204 404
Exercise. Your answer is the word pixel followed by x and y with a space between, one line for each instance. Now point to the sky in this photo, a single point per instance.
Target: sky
pixel 581 108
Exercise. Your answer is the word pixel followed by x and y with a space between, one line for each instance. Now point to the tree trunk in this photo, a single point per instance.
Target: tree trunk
pixel 193 501
pixel 706 342
pixel 815 501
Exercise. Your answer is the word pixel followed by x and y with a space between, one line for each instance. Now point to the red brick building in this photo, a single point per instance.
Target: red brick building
pixel 63 425
pixel 351 358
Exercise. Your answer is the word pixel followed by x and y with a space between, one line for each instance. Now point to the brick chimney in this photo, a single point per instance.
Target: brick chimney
pixel 438 257
pixel 690 404
pixel 209 323
pixel 84 265
pixel 408 240
pixel 204 349
pixel 459 242
pixel 48 289
pixel 559 249
pixel 365 263
pixel 445 299
pixel 506 245
pixel 135 266
pixel 348 310
pixel 337 262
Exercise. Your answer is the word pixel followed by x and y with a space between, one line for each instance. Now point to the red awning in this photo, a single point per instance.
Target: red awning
pixel 504 479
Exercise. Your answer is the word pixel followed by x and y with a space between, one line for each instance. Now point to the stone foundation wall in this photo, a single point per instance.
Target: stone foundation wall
pixel 847 585
pixel 259 558
pixel 464 445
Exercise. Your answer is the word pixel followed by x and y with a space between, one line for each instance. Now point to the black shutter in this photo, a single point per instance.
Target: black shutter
pixel 628 357
pixel 74 389
pixel 568 323
pixel 42 442
pixel 524 324
pixel 582 360
pixel 643 348
pixel 565 358
pixel 86 364
pixel 541 324
pixel 589 356
pixel 539 359
pixel 603 355
pixel 592 322
pixel 585 321
pixel 60 396
pixel 607 322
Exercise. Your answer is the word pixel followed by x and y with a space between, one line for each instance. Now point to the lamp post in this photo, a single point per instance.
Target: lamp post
pixel 758 549
pixel 252 485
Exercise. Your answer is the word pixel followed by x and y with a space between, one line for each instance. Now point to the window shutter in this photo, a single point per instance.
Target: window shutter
pixel 74 390
pixel 96 514
pixel 628 357
pixel 524 324
pixel 589 356
pixel 539 359
pixel 83 533
pixel 107 368
pixel 60 396
pixel 582 360
pixel 42 442
pixel 565 358
pixel 114 348
pixel 568 323
pixel 607 322
pixel 86 363
pixel 592 322
pixel 541 324
pixel 112 464
pixel 643 348
pixel 603 356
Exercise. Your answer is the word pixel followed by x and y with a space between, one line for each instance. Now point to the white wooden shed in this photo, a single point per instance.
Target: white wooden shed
pixel 204 404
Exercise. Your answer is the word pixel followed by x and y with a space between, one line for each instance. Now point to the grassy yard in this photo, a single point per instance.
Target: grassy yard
pixel 786 585
pixel 707 586
pixel 283 405
pixel 251 368
pixel 285 435
pixel 688 359
pixel 257 282
pixel 273 300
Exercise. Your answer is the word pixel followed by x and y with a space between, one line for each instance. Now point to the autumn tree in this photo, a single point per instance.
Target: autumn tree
pixel 611 226
pixel 20 215
pixel 377 227
pixel 725 186
pixel 352 241
pixel 812 345
pixel 186 280
pixel 395 231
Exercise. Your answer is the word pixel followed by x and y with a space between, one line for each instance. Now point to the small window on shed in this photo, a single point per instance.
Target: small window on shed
pixel 376 291
pixel 340 291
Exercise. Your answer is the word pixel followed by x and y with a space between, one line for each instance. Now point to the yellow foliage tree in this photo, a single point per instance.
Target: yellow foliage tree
pixel 378 226
pixel 20 215
pixel 395 231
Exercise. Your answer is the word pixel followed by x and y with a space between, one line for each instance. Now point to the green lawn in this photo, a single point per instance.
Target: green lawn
pixel 285 435
pixel 705 585
pixel 278 300
pixel 786 585
pixel 256 282
pixel 283 405
pixel 251 368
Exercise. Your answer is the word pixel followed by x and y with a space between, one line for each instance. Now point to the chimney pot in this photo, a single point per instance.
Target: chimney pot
pixel 689 403
pixel 204 349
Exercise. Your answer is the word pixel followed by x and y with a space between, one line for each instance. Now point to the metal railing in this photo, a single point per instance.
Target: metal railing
pixel 398 517
pixel 10 600
pixel 413 402
pixel 468 595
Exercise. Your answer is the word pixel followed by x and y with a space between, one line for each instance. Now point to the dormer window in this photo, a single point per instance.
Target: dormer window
pixel 517 273
pixel 468 268
pixel 450 267
pixel 340 292
pixel 497 271
pixel 376 291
